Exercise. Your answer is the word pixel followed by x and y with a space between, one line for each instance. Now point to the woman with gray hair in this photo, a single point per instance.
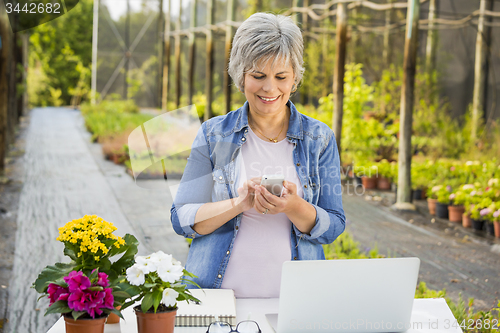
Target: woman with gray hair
pixel 241 233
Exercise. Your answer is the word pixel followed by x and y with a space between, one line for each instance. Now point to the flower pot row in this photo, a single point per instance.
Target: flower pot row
pixel 457 214
pixel 371 183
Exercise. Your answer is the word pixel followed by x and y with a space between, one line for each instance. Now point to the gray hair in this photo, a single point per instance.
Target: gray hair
pixel 262 37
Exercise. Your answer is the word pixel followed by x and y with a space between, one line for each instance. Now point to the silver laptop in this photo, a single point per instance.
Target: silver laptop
pixel 356 295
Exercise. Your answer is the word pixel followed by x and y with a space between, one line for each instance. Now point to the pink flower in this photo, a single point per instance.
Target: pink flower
pixel 485 211
pixel 76 300
pixel 103 280
pixel 77 281
pixel 448 188
pixel 452 196
pixel 57 293
pixel 496 214
pixel 452 168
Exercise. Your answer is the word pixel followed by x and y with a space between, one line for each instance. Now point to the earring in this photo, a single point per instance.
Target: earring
pixel 294 88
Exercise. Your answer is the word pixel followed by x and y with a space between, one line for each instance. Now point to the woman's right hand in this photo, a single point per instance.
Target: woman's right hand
pixel 246 194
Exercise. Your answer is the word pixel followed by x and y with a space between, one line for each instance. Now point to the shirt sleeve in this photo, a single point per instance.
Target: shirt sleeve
pixel 195 188
pixel 330 218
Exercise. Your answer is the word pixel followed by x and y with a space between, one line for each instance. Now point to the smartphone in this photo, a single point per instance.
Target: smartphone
pixel 273 183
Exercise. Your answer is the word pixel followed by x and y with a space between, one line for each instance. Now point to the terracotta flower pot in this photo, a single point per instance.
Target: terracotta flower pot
pixel 84 325
pixel 159 322
pixel 383 183
pixel 112 318
pixel 455 213
pixel 466 221
pixel 369 182
pixel 431 203
pixel 496 226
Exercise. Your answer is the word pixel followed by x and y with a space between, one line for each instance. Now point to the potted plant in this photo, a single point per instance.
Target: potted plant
pixel 384 175
pixel 369 175
pixel 161 284
pixel 456 207
pixel 471 198
pixel 480 212
pixel 90 286
pixel 496 219
pixel 443 200
pixel 432 198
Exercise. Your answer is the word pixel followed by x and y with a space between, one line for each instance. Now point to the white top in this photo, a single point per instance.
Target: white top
pixel 263 241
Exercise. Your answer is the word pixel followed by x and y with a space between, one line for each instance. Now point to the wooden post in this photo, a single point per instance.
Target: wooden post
pixel 324 50
pixel 386 55
pixel 338 73
pixel 229 36
pixel 161 32
pixel 355 38
pixel 127 52
pixel 478 99
pixel 166 60
pixel 430 48
pixel 209 61
pixel 296 16
pixel 403 197
pixel 178 77
pixel 95 30
pixel 192 49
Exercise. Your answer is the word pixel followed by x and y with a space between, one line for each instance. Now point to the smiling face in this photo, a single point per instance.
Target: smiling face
pixel 268 88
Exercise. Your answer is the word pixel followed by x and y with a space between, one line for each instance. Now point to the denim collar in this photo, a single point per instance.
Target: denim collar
pixel 294 125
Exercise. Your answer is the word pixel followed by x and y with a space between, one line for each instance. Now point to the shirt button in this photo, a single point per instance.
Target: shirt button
pixel 219 276
pixel 294 258
pixel 243 139
pixel 227 252
pixel 236 227
pixel 298 164
pixel 305 186
pixel 220 177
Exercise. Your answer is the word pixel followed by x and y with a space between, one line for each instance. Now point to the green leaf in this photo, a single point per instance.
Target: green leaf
pixel 128 258
pixel 58 307
pixel 115 311
pixel 70 253
pixel 157 296
pixel 121 294
pixel 77 314
pixel 51 274
pixel 149 285
pixel 129 289
pixel 147 302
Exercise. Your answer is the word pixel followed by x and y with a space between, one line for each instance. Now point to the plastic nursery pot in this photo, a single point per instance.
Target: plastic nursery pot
pixel 441 210
pixel 455 213
pixel 477 224
pixel 112 318
pixel 466 221
pixel 431 204
pixel 490 228
pixel 383 184
pixel 159 322
pixel 84 325
pixel 369 183
pixel 417 194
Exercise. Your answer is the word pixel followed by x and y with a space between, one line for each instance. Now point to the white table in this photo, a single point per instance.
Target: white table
pixel 428 315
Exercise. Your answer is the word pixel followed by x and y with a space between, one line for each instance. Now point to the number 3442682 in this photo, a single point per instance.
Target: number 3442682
pixel 34 8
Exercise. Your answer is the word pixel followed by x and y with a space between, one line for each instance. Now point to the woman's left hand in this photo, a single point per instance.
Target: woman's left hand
pixel 267 203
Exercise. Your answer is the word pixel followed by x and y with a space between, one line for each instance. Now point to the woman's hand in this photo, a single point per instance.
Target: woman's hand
pixel 267 203
pixel 246 194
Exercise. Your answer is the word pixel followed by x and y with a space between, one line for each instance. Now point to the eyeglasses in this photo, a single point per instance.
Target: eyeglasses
pixel 245 326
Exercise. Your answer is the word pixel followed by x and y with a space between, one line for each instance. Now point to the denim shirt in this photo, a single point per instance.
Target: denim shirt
pixel 211 175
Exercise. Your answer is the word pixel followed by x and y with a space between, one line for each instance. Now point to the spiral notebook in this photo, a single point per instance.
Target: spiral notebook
pixel 216 304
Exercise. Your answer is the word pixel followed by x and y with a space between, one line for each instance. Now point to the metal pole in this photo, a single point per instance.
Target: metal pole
pixel 178 78
pixel 161 33
pixel 209 61
pixel 94 52
pixel 387 36
pixel 229 37
pixel 403 197
pixel 166 60
pixel 430 48
pixel 127 52
pixel 338 73
pixel 192 48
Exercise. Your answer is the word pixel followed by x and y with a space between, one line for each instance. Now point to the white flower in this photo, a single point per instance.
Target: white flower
pixel 170 273
pixel 160 258
pixel 135 275
pixel 145 264
pixel 169 297
pixel 467 187
pixel 493 181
